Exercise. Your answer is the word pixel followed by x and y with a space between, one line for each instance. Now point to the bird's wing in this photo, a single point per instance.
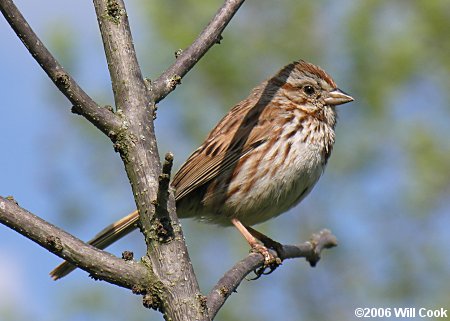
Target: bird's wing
pixel 220 152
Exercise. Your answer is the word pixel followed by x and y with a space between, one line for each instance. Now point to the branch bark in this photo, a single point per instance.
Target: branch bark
pixel 178 295
pixel 101 117
pixel 211 35
pixel 228 284
pixel 100 264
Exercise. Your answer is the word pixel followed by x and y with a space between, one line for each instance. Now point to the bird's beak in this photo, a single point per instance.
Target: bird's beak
pixel 337 97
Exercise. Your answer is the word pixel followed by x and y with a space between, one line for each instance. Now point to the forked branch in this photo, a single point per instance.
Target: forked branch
pixel 137 144
pixel 134 275
pixel 228 284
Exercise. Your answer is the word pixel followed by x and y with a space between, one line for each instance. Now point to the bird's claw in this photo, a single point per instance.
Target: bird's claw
pixel 271 262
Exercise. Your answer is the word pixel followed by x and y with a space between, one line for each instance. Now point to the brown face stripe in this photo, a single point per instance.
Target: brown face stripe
pixel 306 67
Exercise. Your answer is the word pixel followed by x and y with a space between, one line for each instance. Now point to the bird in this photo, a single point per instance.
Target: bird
pixel 261 159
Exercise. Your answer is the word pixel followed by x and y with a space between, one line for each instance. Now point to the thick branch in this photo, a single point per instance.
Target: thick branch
pixel 101 117
pixel 230 281
pixel 101 265
pixel 178 294
pixel 136 142
pixel 211 35
pixel 128 84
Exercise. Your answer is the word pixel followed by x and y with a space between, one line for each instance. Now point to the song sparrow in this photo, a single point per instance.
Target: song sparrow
pixel 261 159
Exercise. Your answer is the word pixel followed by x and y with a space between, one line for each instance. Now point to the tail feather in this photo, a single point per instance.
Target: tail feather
pixel 103 239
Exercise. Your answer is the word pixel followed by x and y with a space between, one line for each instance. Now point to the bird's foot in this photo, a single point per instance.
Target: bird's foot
pixel 271 262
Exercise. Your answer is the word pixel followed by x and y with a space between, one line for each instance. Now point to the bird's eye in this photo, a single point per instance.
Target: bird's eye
pixel 309 90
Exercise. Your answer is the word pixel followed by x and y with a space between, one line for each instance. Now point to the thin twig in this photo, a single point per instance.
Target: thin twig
pixel 164 181
pixel 101 117
pixel 164 229
pixel 231 280
pixel 101 265
pixel 187 59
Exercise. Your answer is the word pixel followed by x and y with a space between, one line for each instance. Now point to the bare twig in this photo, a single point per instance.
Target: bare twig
pixel 162 223
pixel 187 59
pixel 230 281
pixel 101 265
pixel 164 181
pixel 101 117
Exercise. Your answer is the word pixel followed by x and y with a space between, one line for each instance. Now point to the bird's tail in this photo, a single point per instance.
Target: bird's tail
pixel 103 239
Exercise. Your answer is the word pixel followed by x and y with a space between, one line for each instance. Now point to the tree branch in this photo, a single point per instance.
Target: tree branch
pixel 128 84
pixel 228 284
pixel 136 143
pixel 187 59
pixel 101 117
pixel 100 264
pixel 177 295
